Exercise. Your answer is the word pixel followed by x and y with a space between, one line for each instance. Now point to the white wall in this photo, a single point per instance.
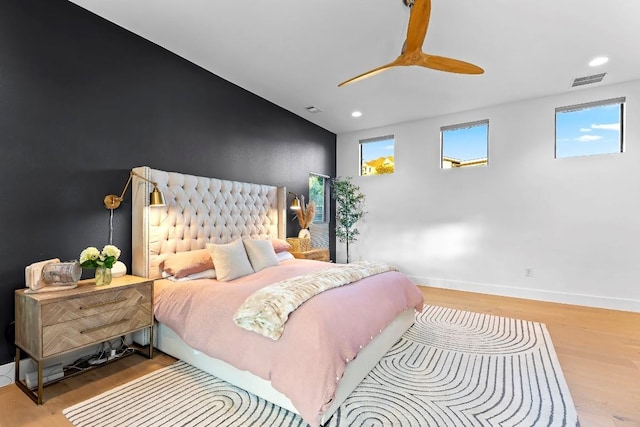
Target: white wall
pixel 574 221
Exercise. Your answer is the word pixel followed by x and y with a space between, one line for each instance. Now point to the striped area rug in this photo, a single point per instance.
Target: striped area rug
pixel 452 368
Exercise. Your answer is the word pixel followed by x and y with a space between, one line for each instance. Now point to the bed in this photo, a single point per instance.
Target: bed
pixel 200 211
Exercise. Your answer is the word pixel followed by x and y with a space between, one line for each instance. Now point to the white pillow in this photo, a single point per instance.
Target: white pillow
pixel 230 260
pixel 283 256
pixel 261 253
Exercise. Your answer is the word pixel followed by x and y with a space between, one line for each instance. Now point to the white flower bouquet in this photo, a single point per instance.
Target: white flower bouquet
pixel 91 257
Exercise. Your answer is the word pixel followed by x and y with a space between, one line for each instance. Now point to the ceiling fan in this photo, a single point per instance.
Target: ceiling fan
pixel 412 53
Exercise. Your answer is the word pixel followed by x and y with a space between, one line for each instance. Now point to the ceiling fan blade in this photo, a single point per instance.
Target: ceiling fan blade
pixel 412 53
pixel 450 65
pixel 370 73
pixel 418 24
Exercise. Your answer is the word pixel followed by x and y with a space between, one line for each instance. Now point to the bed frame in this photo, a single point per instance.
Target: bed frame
pixel 200 210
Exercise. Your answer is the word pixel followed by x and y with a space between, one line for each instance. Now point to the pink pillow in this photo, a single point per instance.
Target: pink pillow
pixel 185 263
pixel 280 245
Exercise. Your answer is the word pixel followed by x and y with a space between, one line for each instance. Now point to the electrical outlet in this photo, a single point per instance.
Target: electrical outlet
pixel 528 272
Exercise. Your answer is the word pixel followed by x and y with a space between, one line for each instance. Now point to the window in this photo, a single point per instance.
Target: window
pixel 318 193
pixel 588 129
pixel 376 156
pixel 465 144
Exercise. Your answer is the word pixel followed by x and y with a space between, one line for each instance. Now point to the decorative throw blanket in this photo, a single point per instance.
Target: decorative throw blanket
pixel 267 310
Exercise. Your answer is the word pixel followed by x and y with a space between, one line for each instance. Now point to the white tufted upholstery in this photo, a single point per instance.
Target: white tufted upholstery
pixel 198 211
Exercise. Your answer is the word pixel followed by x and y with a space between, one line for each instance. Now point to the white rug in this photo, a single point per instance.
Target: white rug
pixel 452 368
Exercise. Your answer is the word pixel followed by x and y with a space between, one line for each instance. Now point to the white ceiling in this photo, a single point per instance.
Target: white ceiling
pixel 295 52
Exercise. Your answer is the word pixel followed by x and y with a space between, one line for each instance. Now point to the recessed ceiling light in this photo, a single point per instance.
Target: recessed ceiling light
pixel 356 114
pixel 598 61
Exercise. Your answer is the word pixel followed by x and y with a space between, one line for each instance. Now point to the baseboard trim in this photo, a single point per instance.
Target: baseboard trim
pixel 530 293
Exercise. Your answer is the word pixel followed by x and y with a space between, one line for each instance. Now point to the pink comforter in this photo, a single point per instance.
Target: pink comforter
pixel 320 337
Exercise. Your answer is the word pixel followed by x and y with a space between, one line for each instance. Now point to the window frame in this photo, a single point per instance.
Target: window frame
pixel 472 162
pixel 326 196
pixel 620 101
pixel 362 142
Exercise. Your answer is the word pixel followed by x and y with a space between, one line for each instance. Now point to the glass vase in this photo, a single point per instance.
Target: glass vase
pixel 103 276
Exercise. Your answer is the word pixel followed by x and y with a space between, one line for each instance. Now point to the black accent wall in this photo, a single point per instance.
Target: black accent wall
pixel 82 101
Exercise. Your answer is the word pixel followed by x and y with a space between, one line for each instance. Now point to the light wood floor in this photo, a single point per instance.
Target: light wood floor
pixel 599 351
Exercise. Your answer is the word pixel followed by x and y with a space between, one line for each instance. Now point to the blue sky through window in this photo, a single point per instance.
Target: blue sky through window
pixel 466 143
pixel 376 149
pixel 588 131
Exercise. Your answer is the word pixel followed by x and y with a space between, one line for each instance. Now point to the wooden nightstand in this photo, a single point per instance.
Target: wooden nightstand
pixel 50 324
pixel 317 254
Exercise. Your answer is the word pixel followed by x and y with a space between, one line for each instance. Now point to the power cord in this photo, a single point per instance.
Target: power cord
pixel 122 349
pixel 106 351
pixel 102 356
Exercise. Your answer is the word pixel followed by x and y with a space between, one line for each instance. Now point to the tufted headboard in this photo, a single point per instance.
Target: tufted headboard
pixel 198 210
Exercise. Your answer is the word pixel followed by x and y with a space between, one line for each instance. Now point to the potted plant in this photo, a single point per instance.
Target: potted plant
pixel 305 217
pixel 349 210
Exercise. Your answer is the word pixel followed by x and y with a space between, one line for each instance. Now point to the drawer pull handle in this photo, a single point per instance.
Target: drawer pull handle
pixel 88 331
pixel 101 304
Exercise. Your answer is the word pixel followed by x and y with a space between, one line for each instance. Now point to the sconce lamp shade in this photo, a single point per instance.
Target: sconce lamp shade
pixel 111 201
pixel 295 204
pixel 156 198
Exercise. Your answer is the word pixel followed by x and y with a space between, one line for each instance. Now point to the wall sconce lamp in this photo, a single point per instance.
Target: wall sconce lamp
pixel 295 203
pixel 111 201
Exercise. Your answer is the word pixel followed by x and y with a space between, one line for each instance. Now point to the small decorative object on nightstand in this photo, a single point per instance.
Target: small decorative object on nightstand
pixel 52 275
pixel 50 324
pixel 102 262
pixel 304 213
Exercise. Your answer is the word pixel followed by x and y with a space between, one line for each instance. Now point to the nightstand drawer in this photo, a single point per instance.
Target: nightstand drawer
pixel 61 337
pixel 88 305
